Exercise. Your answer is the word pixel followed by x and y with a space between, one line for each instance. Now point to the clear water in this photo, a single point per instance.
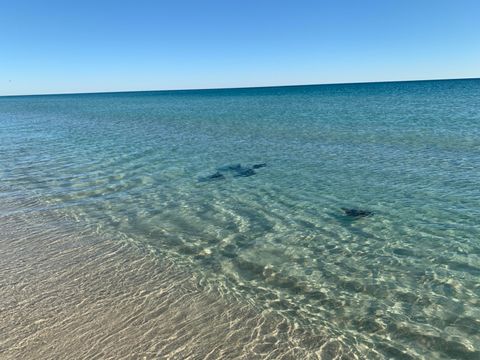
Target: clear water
pixel 404 282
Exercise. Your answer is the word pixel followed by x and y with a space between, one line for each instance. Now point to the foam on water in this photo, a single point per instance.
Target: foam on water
pixel 401 283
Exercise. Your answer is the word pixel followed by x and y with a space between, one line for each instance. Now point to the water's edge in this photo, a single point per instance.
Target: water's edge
pixel 68 292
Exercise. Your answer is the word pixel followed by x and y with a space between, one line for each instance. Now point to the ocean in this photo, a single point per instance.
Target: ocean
pixel 212 223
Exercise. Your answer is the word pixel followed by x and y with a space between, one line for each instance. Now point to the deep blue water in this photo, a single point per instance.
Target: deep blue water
pixel 405 281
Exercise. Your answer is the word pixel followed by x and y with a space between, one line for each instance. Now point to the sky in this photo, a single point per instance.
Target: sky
pixel 101 45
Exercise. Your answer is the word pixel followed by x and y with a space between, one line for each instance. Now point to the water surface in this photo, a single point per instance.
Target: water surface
pixel 402 283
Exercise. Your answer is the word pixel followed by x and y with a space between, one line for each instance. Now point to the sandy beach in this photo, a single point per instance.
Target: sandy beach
pixel 70 294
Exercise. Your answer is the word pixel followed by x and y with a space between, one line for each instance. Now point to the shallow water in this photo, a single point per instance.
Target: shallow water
pixel 401 283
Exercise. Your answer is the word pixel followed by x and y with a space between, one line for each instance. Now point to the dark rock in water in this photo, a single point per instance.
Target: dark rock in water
pixel 357 212
pixel 217 176
pixel 244 172
pixel 231 167
pixel 258 166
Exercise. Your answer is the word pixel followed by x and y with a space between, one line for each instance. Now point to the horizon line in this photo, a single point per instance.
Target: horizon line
pixel 236 88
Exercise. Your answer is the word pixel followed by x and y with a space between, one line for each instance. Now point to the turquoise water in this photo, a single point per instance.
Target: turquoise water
pixel 404 282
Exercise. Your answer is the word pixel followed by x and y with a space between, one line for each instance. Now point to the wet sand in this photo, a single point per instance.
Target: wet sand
pixel 69 293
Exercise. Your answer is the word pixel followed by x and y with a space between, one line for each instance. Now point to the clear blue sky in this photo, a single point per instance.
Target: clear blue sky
pixel 94 45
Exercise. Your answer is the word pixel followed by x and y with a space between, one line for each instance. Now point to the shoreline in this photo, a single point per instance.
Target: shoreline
pixel 70 294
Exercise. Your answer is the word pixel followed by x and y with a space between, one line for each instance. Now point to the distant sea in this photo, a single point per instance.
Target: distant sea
pixel 209 223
